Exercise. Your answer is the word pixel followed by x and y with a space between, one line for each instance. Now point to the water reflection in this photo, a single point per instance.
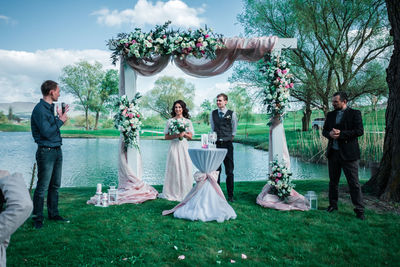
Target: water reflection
pixel 91 161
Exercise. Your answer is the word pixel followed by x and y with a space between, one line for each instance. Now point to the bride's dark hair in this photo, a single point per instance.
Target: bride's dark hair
pixel 185 111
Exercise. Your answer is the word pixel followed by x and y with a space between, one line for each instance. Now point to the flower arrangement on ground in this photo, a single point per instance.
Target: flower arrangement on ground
pixel 128 120
pixel 280 180
pixel 279 81
pixel 177 126
pixel 162 41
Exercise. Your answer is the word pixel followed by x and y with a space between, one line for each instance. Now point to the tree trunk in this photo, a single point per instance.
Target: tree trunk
pixel 306 118
pixel 97 120
pixel 86 120
pixel 386 183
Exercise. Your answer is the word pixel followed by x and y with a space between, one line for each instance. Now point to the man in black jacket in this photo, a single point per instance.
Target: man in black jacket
pixel 342 128
pixel 46 133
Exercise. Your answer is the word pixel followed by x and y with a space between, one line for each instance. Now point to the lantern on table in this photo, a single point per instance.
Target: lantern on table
pixel 312 200
pixel 104 200
pixel 112 195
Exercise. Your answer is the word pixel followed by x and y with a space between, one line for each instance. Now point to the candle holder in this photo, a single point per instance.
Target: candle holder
pixel 312 199
pixel 98 199
pixel 112 195
pixel 104 200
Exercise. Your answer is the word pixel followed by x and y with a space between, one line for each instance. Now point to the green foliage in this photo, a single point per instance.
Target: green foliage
pixel 80 121
pixel 127 234
pixel 153 121
pixel 339 44
pixel 108 123
pixel 83 81
pixel 165 92
pixel 3 117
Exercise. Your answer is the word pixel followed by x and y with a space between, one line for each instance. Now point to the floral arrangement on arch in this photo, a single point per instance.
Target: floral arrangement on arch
pixel 177 126
pixel 280 180
pixel 128 120
pixel 279 81
pixel 162 41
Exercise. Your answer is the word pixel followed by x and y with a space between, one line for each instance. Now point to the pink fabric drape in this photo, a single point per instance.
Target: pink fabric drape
pixel 252 49
pixel 294 202
pixel 201 179
pixel 130 188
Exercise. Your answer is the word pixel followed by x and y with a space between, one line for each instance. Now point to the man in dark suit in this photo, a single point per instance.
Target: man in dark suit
pixel 342 128
pixel 224 122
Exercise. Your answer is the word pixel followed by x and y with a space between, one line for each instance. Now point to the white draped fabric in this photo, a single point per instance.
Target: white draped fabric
pixel 206 201
pixel 278 150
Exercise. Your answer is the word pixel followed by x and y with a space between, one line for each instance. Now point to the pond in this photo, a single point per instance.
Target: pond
pixel 91 161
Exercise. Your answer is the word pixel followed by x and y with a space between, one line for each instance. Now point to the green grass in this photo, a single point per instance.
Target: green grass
pixel 127 234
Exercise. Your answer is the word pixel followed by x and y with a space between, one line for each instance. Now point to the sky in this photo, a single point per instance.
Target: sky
pixel 39 38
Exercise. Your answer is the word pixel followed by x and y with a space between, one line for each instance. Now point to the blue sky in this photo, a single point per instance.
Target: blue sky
pixel 38 38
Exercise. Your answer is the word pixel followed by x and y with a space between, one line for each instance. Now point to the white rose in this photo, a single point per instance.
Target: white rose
pixel 205 43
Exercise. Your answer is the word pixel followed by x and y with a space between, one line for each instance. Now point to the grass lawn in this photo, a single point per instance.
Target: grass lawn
pixel 139 234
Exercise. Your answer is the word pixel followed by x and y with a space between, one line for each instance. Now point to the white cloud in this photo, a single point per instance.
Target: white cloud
pixel 5 18
pixel 145 12
pixel 22 73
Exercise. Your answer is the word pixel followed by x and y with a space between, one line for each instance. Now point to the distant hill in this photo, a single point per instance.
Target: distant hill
pixel 18 107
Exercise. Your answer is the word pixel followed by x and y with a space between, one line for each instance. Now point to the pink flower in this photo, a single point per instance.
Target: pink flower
pixel 203 52
pixel 164 36
pixel 276 180
pixel 284 71
pixel 279 175
pixel 278 70
pixel 124 112
pixel 126 44
pixel 181 257
pixel 130 115
pixel 287 86
pixel 232 261
pixel 206 36
pixel 190 49
pixel 138 115
pixel 199 44
pixel 244 256
pixel 134 41
pixel 291 85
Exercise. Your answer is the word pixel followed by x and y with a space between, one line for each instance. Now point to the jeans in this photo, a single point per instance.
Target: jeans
pixel 49 162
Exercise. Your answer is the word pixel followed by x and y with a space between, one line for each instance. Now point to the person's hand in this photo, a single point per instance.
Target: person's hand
pixel 334 133
pixel 63 116
pixel 181 135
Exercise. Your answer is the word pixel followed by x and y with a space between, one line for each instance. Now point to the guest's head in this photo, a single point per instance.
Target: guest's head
pixel 339 100
pixel 51 90
pixel 222 100
pixel 179 108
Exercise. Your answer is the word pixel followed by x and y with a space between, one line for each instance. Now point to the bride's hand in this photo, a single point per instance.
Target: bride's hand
pixel 181 135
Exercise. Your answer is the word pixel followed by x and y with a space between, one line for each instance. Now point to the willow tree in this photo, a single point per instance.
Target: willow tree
pixel 386 182
pixel 337 40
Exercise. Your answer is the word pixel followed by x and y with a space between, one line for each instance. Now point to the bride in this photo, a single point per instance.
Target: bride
pixel 178 174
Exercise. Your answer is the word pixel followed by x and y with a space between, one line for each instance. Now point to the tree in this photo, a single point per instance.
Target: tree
pixel 337 40
pixel 165 92
pixel 386 182
pixel 82 80
pixel 206 108
pixel 10 115
pixel 3 117
pixel 102 98
pixel 242 104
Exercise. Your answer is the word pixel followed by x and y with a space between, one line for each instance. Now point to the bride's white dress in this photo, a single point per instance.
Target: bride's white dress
pixel 178 173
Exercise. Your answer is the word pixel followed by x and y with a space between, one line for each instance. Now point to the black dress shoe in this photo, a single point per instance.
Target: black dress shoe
pixel 59 219
pixel 38 224
pixel 360 216
pixel 331 209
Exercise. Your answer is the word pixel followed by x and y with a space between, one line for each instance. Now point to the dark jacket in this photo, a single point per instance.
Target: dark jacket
pixel 351 127
pixel 223 126
pixel 45 125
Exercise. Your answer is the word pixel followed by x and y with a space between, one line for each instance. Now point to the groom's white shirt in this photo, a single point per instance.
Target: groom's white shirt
pixel 233 121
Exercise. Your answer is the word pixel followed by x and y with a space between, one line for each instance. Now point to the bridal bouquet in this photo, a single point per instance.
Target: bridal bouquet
pixel 128 120
pixel 177 126
pixel 280 180
pixel 279 81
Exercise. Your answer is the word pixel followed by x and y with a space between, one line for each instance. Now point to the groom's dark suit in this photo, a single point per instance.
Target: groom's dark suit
pixel 345 154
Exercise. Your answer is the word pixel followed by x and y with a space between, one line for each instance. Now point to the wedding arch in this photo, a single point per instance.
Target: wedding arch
pixel 139 55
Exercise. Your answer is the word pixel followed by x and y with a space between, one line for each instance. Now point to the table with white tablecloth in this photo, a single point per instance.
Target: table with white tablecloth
pixel 206 201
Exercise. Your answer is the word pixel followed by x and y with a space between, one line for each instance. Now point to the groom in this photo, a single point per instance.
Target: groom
pixel 342 128
pixel 224 123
